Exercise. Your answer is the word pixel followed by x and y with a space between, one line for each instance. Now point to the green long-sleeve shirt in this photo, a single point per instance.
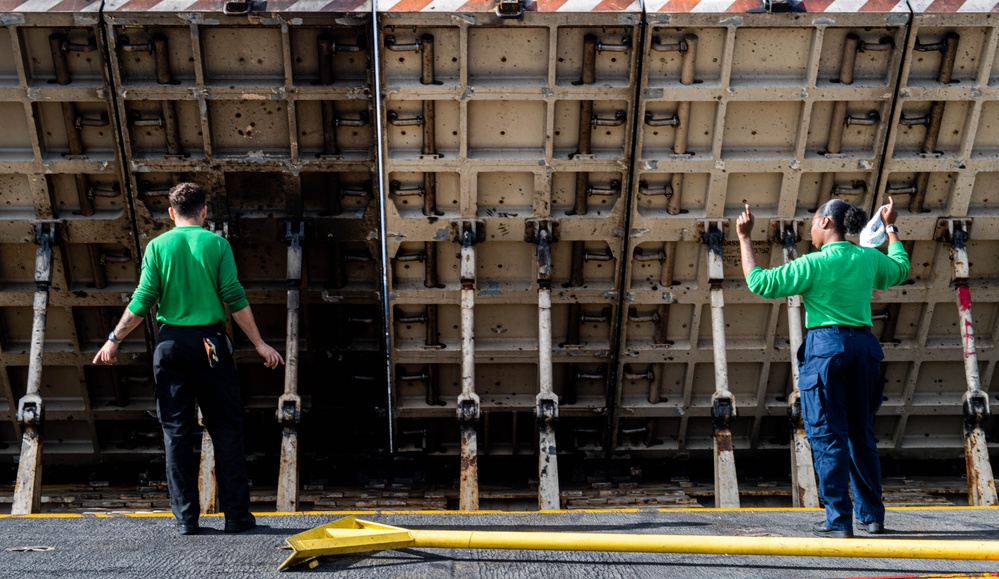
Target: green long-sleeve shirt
pixel 835 284
pixel 191 272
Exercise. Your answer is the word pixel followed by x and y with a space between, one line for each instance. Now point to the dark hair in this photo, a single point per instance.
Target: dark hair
pixel 846 218
pixel 187 199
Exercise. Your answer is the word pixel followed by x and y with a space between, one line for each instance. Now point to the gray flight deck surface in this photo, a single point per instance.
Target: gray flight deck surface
pixel 149 546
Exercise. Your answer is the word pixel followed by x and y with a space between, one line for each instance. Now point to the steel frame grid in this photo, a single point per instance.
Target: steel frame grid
pixel 80 185
pixel 923 359
pixel 738 74
pixel 504 360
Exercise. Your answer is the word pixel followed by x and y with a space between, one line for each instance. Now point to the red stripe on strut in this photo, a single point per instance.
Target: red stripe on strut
pixel 410 5
pixel 135 6
pixel 679 5
pixel 878 6
pixel 817 5
pixel 743 6
pixel 612 5
pixel 944 6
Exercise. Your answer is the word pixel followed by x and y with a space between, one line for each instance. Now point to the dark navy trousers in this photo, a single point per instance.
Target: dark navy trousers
pixel 183 376
pixel 841 390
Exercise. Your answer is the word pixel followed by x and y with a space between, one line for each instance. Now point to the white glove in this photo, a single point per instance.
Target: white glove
pixel 873 234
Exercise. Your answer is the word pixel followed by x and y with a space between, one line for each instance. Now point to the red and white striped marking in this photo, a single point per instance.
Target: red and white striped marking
pixel 718 6
pixel 216 5
pixel 50 6
pixel 490 5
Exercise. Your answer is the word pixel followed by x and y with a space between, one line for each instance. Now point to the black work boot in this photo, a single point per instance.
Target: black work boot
pixel 873 528
pixel 240 524
pixel 822 530
pixel 188 528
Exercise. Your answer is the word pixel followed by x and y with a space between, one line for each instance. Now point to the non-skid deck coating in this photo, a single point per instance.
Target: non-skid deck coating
pixel 149 546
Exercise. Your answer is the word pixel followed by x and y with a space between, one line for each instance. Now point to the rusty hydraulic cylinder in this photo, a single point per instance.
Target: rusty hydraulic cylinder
pixel 83 194
pixel 30 409
pixel 429 106
pixel 723 408
pixel 834 144
pixel 682 131
pixel 171 129
pixel 468 400
pixel 207 483
pixel 805 493
pixel 57 43
pixel 100 276
pixel 546 409
pixel 161 55
pixel 975 403
pixel 327 50
pixel 430 195
pixel 687 47
pixel 289 410
pixel 73 138
pixel 934 120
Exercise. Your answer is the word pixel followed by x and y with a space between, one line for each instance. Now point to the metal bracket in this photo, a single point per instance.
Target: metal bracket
pixel 101 120
pixel 468 407
pixel 394 120
pixel 109 191
pixel 361 121
pixel 619 118
pixel 869 120
pixel 794 407
pixel 681 46
pixel 30 410
pixel 220 228
pixel 648 375
pixel 546 410
pixel 46 231
pixel 243 8
pixel 944 231
pixel 781 228
pixel 65 45
pixel 723 410
pixel 975 406
pixel 476 226
pixel 294 239
pixel 670 121
pixel 289 410
pixel 704 227
pixel 664 191
pixel 532 227
pixel 390 44
pixel 509 8
pixel 885 43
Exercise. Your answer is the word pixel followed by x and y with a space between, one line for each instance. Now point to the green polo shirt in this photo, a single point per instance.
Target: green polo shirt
pixel 191 272
pixel 835 283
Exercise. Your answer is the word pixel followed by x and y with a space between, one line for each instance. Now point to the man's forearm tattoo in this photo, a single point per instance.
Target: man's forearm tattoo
pixel 124 324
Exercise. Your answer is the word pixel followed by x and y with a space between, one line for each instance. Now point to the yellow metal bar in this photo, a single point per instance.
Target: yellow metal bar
pixel 352 535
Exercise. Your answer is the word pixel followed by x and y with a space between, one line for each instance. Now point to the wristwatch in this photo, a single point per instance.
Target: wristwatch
pixel 891 228
pixel 113 339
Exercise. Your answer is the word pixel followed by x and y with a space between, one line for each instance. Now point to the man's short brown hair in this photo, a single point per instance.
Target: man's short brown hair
pixel 187 199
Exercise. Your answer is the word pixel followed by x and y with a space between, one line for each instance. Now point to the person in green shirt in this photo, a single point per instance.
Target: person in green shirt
pixel 191 274
pixel 839 360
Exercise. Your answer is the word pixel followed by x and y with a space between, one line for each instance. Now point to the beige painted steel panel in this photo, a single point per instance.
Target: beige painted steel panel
pixel 508 102
pixel 761 103
pixel 951 178
pixel 59 161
